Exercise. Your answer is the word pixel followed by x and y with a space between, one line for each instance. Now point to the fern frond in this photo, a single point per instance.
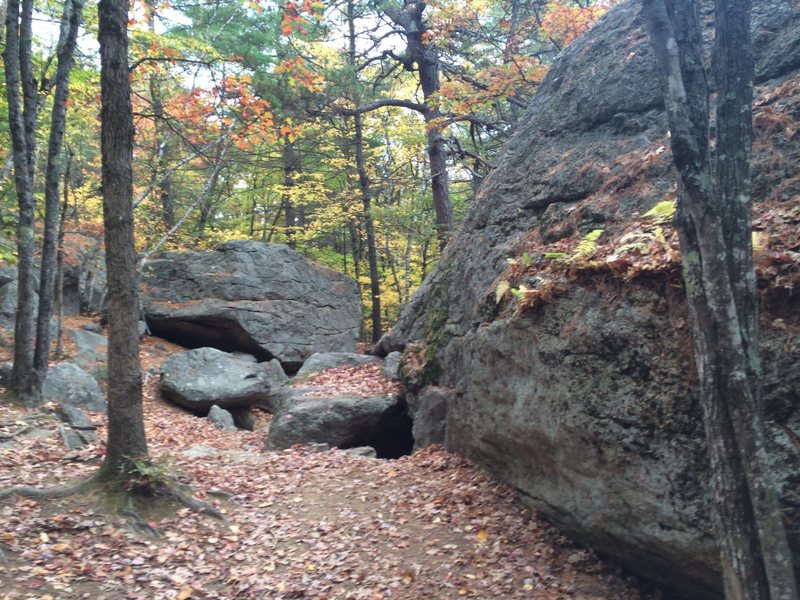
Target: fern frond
pixel 588 244
pixel 662 212
pixel 501 291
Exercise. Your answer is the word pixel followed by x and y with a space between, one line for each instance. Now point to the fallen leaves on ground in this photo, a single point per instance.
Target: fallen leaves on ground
pixel 362 381
pixel 300 524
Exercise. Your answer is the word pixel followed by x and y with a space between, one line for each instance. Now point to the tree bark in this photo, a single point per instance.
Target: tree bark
pixel 424 58
pixel 18 71
pixel 70 23
pixel 714 228
pixel 126 436
pixel 366 193
pixel 290 167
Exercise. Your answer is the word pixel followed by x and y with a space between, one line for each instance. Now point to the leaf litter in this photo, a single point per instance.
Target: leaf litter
pixel 300 523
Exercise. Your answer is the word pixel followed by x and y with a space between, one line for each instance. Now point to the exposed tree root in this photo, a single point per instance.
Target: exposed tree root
pixel 4 437
pixel 44 493
pixel 122 495
pixel 196 505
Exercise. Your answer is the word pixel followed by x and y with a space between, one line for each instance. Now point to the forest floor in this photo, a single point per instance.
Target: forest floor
pixel 299 523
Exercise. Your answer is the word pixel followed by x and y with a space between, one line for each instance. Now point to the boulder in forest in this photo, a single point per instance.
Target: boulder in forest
pixel 70 385
pixel 579 390
pixel 201 378
pixel 8 303
pixel 92 347
pixel 343 422
pixel 263 299
pixel 221 418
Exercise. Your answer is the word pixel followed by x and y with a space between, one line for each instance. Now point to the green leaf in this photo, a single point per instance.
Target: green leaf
pixel 588 244
pixel 662 212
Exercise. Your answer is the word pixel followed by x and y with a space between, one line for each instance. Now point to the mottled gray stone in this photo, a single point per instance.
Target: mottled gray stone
pixel 391 365
pixel 586 405
pixel 342 422
pixel 263 299
pixel 428 410
pixel 70 385
pixel 198 379
pixel 221 418
pixel 92 348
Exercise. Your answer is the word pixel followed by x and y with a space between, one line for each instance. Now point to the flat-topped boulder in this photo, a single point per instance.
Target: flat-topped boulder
pixel 204 377
pixel 264 299
pixel 307 418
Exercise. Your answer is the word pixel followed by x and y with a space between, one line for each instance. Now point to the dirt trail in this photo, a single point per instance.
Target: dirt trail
pixel 300 524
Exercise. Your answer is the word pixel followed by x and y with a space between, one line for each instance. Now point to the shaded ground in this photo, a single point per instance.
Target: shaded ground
pixel 300 523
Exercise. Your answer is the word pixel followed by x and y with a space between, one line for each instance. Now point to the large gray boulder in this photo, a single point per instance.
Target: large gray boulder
pixel 67 385
pixel 8 303
pixel 201 378
pixel 70 385
pixel 343 422
pixel 92 348
pixel 586 404
pixel 264 299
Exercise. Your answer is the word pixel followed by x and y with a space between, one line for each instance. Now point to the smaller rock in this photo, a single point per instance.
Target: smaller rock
pixel 70 437
pixel 221 418
pixel 143 330
pixel 75 417
pixel 7 273
pixel 391 365
pixel 320 361
pixel 319 447
pixel 389 342
pixel 92 348
pixel 201 451
pixel 243 418
pixel 68 384
pixel 93 328
pixel 364 451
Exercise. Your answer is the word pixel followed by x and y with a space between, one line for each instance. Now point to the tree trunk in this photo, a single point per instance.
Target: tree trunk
pixel 714 227
pixel 366 194
pixel 126 437
pixel 290 167
pixel 427 61
pixel 18 69
pixel 59 287
pixel 424 58
pixel 70 24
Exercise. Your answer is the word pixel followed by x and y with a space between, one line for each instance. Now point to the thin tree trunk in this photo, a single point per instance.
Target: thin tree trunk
pixel 18 67
pixel 59 287
pixel 70 23
pixel 290 167
pixel 366 194
pixel 423 57
pixel 126 436
pixel 714 229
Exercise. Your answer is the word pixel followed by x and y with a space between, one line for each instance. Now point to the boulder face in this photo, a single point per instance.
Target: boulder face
pixel 380 422
pixel 585 402
pixel 264 299
pixel 205 377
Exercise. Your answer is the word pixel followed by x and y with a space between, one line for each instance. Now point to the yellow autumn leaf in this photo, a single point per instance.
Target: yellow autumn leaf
pixel 482 536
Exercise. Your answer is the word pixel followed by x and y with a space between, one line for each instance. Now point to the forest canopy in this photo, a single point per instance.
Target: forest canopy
pixel 355 131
